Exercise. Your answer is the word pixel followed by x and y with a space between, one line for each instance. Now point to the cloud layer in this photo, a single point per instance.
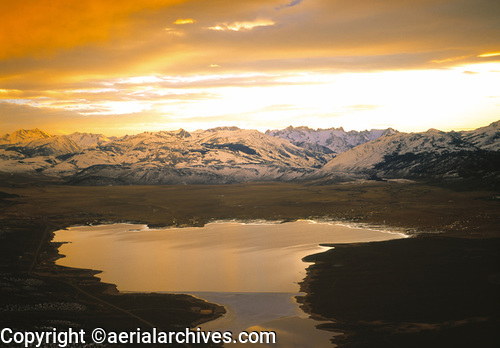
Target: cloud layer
pixel 71 56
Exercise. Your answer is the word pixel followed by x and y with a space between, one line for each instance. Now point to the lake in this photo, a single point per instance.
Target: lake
pixel 251 268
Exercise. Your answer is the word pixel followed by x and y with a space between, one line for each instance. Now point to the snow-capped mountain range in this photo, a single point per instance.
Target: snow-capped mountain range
pixel 230 154
pixel 219 155
pixel 331 140
pixel 431 155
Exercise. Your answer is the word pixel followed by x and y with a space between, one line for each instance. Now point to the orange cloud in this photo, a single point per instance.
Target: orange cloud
pixel 181 21
pixel 38 28
pixel 237 26
pixel 448 60
pixel 487 55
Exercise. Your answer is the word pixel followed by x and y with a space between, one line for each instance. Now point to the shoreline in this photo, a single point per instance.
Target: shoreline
pixel 112 289
pixel 246 306
pixel 434 290
pixel 277 251
pixel 102 304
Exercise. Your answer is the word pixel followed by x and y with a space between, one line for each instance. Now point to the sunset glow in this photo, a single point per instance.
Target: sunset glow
pixel 486 55
pixel 162 65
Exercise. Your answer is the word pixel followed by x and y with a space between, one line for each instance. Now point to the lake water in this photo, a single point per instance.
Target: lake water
pixel 253 269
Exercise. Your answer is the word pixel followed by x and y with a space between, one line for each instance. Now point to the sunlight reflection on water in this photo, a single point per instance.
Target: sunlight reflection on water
pixel 253 269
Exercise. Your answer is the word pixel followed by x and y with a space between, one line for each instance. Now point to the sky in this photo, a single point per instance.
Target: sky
pixel 130 66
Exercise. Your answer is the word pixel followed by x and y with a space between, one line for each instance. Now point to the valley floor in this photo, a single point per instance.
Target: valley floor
pixel 440 288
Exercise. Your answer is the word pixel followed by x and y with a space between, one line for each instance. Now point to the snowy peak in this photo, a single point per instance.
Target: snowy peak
pixel 486 138
pixel 53 146
pixel 366 156
pixel 218 129
pixel 24 135
pixel 85 140
pixel 337 140
pixel 377 133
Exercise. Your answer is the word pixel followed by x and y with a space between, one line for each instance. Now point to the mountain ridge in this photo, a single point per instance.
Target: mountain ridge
pixel 229 155
pixel 433 155
pixel 337 140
